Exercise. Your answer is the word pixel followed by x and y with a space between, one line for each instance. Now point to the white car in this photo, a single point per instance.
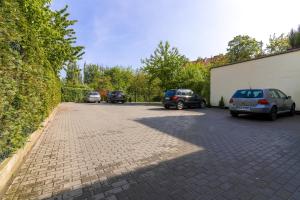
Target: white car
pixel 93 97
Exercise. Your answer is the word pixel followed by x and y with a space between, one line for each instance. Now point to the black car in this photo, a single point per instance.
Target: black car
pixel 181 98
pixel 116 97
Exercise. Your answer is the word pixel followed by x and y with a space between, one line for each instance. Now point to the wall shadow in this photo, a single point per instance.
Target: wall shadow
pixel 241 159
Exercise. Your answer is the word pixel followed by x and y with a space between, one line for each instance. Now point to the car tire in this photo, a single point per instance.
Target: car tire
pixel 202 104
pixel 234 114
pixel 99 101
pixel 167 107
pixel 273 114
pixel 293 110
pixel 179 105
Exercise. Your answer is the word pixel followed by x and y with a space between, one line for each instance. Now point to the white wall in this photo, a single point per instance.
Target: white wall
pixel 281 72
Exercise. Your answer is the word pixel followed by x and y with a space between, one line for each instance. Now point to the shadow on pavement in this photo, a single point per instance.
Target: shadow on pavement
pixel 240 159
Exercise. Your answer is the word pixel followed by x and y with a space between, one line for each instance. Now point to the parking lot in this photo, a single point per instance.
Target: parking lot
pixel 114 151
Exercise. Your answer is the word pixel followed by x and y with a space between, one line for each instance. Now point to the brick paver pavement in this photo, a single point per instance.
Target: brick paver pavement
pixel 92 151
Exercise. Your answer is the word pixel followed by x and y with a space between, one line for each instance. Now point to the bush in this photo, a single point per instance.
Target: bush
pixel 35 43
pixel 222 103
pixel 70 94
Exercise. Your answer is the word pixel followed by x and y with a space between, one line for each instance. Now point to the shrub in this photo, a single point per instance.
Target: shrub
pixel 222 103
pixel 70 94
pixel 35 43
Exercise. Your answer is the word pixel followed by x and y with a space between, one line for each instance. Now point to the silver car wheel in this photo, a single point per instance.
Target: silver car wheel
pixel 180 105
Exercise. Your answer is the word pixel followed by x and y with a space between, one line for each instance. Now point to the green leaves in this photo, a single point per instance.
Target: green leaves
pixel 164 64
pixel 74 94
pixel 294 38
pixel 278 44
pixel 35 44
pixel 243 47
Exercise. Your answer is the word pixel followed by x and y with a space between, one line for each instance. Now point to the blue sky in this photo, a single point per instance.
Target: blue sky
pixel 121 32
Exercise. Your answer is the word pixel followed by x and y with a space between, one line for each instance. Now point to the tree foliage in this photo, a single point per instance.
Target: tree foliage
pixel 73 75
pixel 294 38
pixel 214 61
pixel 92 74
pixel 35 43
pixel 119 77
pixel 277 44
pixel 195 76
pixel 164 64
pixel 243 47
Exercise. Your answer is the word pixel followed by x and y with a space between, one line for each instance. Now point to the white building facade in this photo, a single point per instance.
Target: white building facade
pixel 278 71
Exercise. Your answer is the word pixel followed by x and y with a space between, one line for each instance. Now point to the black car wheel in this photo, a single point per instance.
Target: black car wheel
pixel 179 105
pixel 202 104
pixel 293 110
pixel 167 107
pixel 273 114
pixel 234 114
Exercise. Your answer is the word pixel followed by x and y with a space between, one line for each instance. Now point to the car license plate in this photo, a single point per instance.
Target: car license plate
pixel 244 108
pixel 167 98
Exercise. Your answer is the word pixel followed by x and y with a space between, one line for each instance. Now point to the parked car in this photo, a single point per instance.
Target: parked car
pixel 261 101
pixel 93 97
pixel 181 98
pixel 116 97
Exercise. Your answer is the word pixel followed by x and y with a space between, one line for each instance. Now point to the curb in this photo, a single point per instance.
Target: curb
pixel 10 165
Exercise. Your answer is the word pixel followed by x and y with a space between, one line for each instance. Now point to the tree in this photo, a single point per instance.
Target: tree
pixel 138 86
pixel 164 64
pixel 92 74
pixel 73 75
pixel 278 44
pixel 243 47
pixel 119 77
pixel 294 38
pixel 195 76
pixel 214 61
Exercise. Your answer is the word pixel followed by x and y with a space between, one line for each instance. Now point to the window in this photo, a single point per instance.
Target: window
pixel 189 93
pixel 248 94
pixel 281 94
pixel 274 94
pixel 93 93
pixel 170 93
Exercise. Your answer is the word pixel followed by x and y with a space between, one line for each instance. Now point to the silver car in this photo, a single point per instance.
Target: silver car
pixel 93 97
pixel 265 101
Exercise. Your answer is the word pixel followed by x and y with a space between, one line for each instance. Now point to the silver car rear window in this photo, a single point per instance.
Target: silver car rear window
pixel 94 93
pixel 248 94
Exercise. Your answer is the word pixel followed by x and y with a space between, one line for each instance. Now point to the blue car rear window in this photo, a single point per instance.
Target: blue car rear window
pixel 248 94
pixel 170 93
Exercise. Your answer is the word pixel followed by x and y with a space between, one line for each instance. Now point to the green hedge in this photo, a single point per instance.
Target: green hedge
pixel 35 44
pixel 70 94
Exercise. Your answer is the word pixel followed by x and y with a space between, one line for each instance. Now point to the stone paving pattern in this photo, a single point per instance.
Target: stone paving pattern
pixel 92 151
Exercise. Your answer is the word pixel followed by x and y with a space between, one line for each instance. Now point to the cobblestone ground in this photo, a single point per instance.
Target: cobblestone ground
pixel 92 151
